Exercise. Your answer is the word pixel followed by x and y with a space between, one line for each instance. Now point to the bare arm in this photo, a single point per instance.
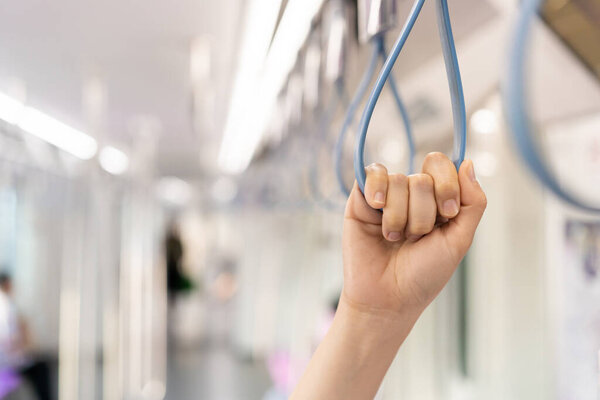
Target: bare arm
pixel 395 263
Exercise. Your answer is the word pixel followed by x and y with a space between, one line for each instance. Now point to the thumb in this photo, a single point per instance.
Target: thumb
pixel 359 210
pixel 462 228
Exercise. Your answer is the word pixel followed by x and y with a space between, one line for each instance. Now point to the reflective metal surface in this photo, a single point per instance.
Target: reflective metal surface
pixel 375 17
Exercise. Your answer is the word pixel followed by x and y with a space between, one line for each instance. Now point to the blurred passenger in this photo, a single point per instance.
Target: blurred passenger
pixel 177 282
pixel 16 344
pixel 402 241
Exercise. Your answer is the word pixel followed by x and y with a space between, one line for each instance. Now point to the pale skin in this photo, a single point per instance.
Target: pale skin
pixel 396 261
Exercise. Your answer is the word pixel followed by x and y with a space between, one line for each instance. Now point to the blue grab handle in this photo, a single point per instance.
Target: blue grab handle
pixel 454 79
pixel 349 117
pixel 515 105
pixel 403 112
pixel 378 52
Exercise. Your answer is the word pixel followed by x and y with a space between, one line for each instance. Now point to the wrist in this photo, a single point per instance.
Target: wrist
pixel 370 327
pixel 392 317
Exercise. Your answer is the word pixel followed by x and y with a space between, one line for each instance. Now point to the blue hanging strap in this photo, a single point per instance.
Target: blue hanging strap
pixel 515 105
pixel 349 117
pixel 378 52
pixel 455 83
pixel 403 111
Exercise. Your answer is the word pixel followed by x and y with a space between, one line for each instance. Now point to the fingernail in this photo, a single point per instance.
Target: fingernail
pixel 414 238
pixel 472 172
pixel 394 236
pixel 450 207
pixel 379 198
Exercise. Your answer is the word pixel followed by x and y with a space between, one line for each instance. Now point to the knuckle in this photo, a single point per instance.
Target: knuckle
pixel 419 228
pixel 398 179
pixel 394 220
pixel 483 201
pixel 421 181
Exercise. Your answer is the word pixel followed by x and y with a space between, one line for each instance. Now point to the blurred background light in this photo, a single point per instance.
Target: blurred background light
pixel 47 128
pixel 113 160
pixel 312 71
pixel 484 121
pixel 174 191
pixel 154 390
pixel 487 163
pixel 392 149
pixel 224 190
pixel 247 122
pixel 60 135
pixel 10 109
pixel 200 60
pixel 260 24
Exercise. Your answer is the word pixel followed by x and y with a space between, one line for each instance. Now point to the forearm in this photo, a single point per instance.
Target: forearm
pixel 353 358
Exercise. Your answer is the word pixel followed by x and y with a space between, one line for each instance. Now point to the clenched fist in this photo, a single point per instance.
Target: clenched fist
pixel 405 237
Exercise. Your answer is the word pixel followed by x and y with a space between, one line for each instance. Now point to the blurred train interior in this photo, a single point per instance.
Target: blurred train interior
pixel 172 196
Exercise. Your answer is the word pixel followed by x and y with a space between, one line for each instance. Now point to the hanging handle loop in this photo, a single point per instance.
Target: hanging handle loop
pixel 515 105
pixel 455 84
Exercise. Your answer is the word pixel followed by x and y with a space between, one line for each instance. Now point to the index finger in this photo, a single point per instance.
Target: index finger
pixel 376 186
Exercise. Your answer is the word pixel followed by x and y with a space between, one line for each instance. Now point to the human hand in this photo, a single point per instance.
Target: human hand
pixel 401 257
